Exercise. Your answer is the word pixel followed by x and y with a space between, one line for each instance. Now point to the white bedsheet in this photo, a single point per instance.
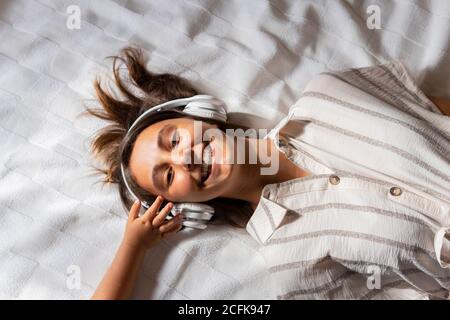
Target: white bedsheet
pixel 255 55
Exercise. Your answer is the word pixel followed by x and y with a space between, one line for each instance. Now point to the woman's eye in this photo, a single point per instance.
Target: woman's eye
pixel 170 176
pixel 175 138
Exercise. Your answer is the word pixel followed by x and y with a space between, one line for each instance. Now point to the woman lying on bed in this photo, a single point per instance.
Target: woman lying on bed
pixel 358 205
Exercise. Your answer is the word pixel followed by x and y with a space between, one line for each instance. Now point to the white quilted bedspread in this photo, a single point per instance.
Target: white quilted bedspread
pixel 255 55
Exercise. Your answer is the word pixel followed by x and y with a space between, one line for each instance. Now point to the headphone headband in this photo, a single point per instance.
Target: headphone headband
pixel 203 101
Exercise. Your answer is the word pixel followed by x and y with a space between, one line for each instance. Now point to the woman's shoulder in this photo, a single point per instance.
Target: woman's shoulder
pixel 390 81
pixel 387 89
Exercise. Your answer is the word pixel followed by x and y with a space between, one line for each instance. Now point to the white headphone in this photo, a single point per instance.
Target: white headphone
pixel 196 215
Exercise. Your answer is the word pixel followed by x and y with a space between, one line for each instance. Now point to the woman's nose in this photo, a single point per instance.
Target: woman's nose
pixel 189 157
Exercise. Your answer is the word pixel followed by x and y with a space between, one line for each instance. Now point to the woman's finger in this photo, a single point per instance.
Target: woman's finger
pixel 134 210
pixel 175 228
pixel 161 216
pixel 171 225
pixel 151 212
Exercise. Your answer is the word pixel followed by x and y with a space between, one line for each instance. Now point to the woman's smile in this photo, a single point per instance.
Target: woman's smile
pixel 209 165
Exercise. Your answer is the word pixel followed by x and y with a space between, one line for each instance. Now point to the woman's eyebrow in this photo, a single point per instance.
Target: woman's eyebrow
pixel 162 134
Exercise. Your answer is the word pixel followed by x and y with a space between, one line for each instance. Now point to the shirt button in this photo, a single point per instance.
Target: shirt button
pixel 395 191
pixel 334 179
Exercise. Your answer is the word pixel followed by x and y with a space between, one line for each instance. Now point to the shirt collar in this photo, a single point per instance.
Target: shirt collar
pixel 268 215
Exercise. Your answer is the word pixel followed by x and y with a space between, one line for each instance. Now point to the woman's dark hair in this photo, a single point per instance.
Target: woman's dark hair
pixel 140 90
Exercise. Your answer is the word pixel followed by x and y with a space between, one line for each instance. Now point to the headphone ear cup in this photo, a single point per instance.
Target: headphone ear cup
pixel 194 225
pixel 193 206
pixel 197 211
pixel 212 109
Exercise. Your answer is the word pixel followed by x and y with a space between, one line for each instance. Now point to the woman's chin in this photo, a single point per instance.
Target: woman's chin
pixel 218 177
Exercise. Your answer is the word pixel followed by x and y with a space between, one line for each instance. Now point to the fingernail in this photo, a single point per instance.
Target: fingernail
pixel 137 201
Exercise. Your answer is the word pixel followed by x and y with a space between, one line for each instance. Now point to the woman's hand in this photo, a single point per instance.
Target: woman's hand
pixel 143 232
pixel 140 234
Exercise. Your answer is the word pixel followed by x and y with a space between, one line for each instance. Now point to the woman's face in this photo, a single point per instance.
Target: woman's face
pixel 169 160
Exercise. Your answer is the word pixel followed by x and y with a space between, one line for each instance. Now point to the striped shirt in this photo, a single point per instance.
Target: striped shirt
pixel 372 218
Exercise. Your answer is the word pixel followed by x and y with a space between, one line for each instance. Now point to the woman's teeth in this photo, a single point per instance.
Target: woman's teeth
pixel 206 163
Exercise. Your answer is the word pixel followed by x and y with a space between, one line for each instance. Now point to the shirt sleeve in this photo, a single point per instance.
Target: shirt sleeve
pixel 391 83
pixel 331 280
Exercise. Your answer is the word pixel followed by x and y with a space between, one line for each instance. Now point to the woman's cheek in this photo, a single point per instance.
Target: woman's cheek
pixel 182 185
